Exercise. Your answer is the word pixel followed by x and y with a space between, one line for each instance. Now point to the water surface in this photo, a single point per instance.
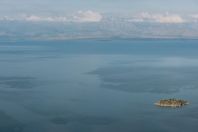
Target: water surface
pixel 97 85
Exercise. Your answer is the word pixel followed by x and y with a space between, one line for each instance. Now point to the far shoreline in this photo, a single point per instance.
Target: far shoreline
pixel 96 39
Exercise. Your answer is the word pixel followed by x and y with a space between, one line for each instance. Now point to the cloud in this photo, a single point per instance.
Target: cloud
pixel 37 18
pixel 93 16
pixel 7 18
pixel 88 16
pixel 34 18
pixel 159 18
pixel 194 17
pixel 79 17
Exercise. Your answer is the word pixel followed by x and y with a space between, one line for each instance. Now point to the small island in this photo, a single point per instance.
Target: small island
pixel 171 103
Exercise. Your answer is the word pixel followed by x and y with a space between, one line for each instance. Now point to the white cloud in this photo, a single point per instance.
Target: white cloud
pixel 7 18
pixel 79 17
pixel 194 17
pixel 34 18
pixel 160 18
pixel 87 16
pixel 92 16
pixel 169 19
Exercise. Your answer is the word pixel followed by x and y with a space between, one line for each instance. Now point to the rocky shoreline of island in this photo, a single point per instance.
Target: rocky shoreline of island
pixel 171 103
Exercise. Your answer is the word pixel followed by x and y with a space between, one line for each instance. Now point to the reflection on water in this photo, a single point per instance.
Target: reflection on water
pixel 17 82
pixel 97 86
pixel 164 75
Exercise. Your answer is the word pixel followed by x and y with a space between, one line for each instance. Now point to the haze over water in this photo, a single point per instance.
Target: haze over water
pixel 97 85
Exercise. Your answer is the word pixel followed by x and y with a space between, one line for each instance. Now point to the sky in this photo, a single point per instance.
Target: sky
pixel 105 14
pixel 62 9
pixel 104 6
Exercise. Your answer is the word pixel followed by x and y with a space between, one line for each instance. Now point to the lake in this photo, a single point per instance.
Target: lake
pixel 98 85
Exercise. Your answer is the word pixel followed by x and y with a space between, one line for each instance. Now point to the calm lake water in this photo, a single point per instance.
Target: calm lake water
pixel 98 85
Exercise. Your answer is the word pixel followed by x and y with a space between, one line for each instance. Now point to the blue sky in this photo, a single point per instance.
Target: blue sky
pixel 11 7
